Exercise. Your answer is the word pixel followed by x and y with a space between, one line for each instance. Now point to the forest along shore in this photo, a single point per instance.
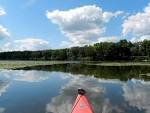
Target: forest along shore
pixel 105 51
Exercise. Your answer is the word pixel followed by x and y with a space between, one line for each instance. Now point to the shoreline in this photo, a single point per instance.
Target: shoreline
pixel 120 64
pixel 11 64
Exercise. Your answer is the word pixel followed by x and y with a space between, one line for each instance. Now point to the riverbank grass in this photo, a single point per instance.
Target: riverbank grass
pixel 120 63
pixel 22 64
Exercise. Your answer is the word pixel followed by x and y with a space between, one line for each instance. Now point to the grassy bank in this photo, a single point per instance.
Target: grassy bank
pixel 119 63
pixel 21 64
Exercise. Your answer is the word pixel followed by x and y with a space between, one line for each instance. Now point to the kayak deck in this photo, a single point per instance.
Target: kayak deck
pixel 81 104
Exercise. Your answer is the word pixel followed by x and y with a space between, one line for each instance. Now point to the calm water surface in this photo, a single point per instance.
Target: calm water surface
pixel 52 89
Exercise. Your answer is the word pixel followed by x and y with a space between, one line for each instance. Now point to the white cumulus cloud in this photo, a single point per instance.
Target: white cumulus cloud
pixel 4 32
pixel 31 44
pixel 82 25
pixel 2 11
pixel 109 39
pixel 138 25
pixel 68 44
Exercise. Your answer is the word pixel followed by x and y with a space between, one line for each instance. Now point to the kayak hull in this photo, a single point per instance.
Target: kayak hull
pixel 81 105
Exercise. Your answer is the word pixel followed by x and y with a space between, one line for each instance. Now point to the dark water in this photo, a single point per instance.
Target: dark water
pixel 52 89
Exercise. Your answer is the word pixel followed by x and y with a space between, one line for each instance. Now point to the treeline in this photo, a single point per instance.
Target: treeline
pixel 104 51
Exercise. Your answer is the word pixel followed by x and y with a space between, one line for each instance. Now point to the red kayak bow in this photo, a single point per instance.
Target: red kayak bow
pixel 81 104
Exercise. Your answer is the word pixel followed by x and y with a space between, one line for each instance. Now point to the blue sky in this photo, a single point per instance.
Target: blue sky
pixel 35 24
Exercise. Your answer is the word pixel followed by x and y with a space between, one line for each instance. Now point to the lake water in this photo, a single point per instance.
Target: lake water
pixel 53 89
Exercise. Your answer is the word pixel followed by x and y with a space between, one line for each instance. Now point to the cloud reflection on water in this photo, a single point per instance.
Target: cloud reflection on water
pixel 25 76
pixel 2 110
pixel 95 93
pixel 31 76
pixel 3 86
pixel 7 76
pixel 136 93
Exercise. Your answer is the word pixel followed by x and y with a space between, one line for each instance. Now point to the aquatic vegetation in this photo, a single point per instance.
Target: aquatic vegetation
pixel 21 64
